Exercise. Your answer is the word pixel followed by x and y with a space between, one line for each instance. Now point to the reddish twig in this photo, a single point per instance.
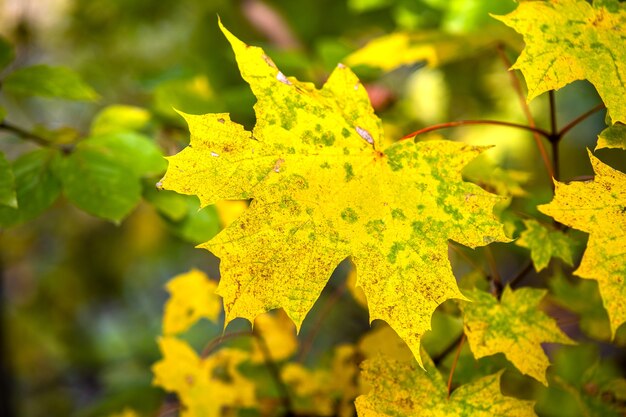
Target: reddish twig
pixel 454 363
pixel 531 121
pixel 476 122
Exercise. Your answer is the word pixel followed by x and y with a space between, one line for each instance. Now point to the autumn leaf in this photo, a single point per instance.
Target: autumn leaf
pixel 192 297
pixel 399 388
pixel 544 244
pixel 598 207
pixel 323 190
pixel 204 386
pixel 569 40
pixel 514 326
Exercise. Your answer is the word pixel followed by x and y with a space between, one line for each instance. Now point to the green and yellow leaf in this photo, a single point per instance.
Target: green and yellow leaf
pixel 612 137
pixel 322 189
pixel 399 388
pixel 192 297
pixel 515 326
pixel 544 244
pixel 569 40
pixel 598 207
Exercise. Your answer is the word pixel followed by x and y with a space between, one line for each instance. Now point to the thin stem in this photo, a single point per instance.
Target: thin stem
pixel 555 159
pixel 580 118
pixel 24 134
pixel 553 129
pixel 496 279
pixel 330 303
pixel 454 363
pixel 475 122
pixel 222 338
pixel 517 86
pixel 275 373
pixel 554 138
pixel 437 359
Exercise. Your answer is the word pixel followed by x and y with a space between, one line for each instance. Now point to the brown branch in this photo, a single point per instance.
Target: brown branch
pixel 580 118
pixel 454 363
pixel 24 134
pixel 529 117
pixel 520 275
pixel 475 122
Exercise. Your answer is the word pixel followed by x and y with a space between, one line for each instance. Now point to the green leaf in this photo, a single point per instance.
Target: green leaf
pixel 612 137
pixel 198 225
pixel 3 113
pixel 569 40
pixel 36 187
pixel 118 118
pixel 46 81
pixel 172 205
pixel 102 175
pixel 7 53
pixel 7 184
pixel 544 244
pixel 132 150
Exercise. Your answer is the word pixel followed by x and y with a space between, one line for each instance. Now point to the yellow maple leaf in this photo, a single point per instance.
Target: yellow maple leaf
pixel 322 189
pixel 192 298
pixel 204 386
pixel 514 326
pixel 399 389
pixel 598 207
pixel 569 40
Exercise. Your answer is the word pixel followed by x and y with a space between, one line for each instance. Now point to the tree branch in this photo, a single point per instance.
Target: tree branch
pixel 531 121
pixel 475 122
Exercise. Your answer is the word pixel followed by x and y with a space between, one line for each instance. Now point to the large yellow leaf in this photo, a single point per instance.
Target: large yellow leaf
pixel 192 298
pixel 569 40
pixel 514 326
pixel 204 386
pixel 398 388
pixel 598 207
pixel 322 189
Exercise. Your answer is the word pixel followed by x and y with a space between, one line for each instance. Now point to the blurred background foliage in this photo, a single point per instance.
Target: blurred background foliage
pixel 82 296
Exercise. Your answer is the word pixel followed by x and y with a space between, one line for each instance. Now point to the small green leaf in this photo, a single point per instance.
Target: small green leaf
pixel 3 113
pixel 544 244
pixel 6 53
pixel 612 137
pixel 46 81
pixel 36 187
pixel 119 118
pixel 97 182
pixel 7 184
pixel 103 174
